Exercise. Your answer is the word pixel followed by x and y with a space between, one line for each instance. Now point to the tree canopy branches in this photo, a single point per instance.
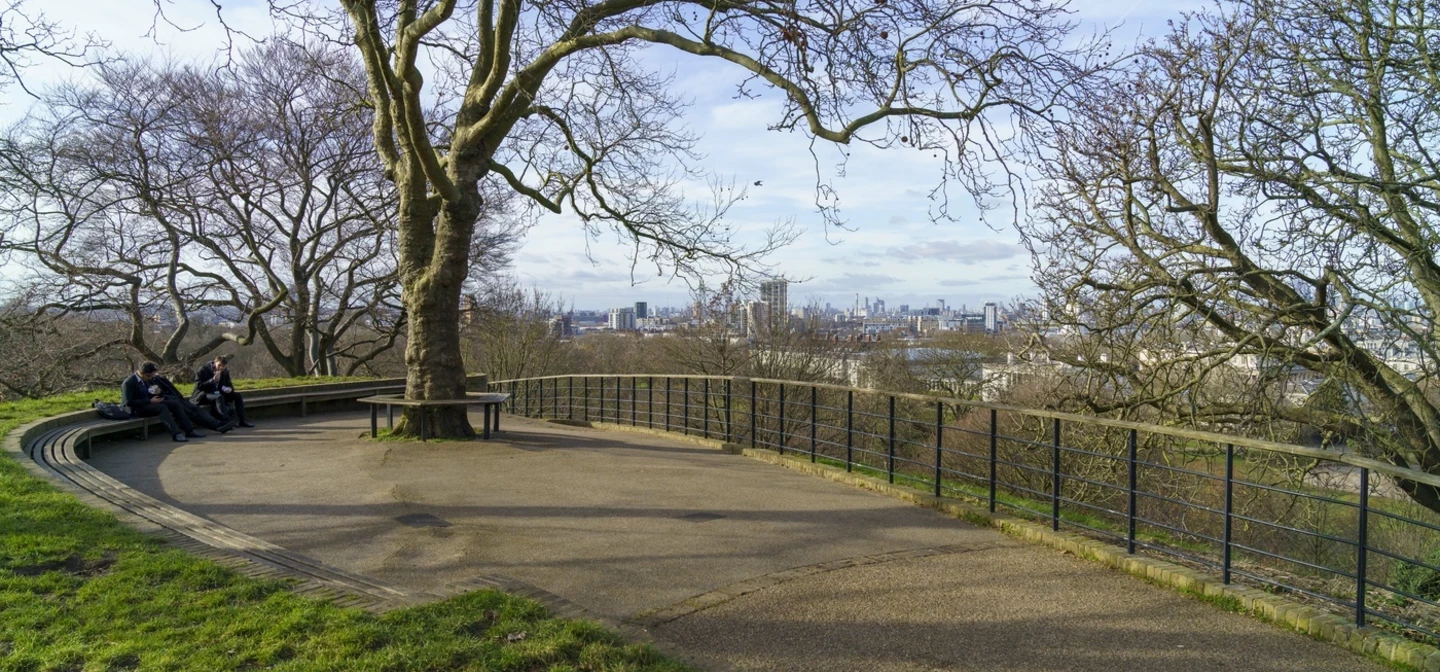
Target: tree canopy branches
pixel 1252 200
pixel 161 191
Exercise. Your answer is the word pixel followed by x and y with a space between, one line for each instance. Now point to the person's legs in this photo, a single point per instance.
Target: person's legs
pixel 217 407
pixel 153 410
pixel 238 403
pixel 177 409
pixel 201 417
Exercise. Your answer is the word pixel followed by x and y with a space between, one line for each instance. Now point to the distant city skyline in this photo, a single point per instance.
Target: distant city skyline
pixel 893 302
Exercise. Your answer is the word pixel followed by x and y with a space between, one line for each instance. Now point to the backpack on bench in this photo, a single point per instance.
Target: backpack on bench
pixel 111 411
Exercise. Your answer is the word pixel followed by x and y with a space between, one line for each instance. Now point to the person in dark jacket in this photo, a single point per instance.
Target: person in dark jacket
pixel 149 394
pixel 142 396
pixel 212 382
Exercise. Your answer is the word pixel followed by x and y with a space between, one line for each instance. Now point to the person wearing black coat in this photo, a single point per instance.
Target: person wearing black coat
pixel 140 392
pixel 212 381
pixel 148 394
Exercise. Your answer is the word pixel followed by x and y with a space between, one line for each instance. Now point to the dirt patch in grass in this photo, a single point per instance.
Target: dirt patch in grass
pixel 74 565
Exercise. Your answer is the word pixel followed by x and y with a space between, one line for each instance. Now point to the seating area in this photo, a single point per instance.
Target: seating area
pixel 61 445
pixel 489 404
pixel 58 451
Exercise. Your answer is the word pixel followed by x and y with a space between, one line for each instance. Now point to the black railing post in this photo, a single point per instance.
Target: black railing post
pixel 513 397
pixel 1362 548
pixel 705 424
pixel 813 425
pixel 586 409
pixel 890 455
pixel 1130 509
pixel 939 442
pixel 650 402
pixel 1229 510
pixel 849 430
pixel 729 430
pixel 634 401
pixel 686 406
pixel 602 399
pixel 1055 481
pixel 555 398
pixel 570 399
pixel 752 414
pixel 619 398
pixel 993 460
pixel 780 425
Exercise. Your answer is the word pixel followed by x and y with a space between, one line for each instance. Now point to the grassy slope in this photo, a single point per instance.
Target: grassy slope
pixel 80 591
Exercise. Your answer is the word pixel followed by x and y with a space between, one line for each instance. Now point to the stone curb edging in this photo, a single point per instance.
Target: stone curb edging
pixel 255 559
pixel 1303 618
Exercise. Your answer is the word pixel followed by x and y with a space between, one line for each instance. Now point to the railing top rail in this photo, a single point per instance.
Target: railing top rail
pixel 1192 434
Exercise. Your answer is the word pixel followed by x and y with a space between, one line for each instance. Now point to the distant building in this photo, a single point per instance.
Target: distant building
pixel 774 293
pixel 992 318
pixel 561 326
pixel 622 319
pixel 754 318
pixel 652 324
pixel 642 310
pixel 470 314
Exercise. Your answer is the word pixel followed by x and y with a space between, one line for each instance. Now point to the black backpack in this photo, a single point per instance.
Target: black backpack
pixel 111 411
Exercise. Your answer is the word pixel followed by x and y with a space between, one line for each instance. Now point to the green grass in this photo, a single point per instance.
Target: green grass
pixel 81 591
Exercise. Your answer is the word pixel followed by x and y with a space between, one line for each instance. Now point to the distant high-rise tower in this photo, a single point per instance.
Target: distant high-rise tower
pixel 622 319
pixel 774 294
pixel 992 318
pixel 754 318
pixel 642 310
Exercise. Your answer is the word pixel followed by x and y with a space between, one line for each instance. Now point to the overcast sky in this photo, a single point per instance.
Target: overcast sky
pixel 894 251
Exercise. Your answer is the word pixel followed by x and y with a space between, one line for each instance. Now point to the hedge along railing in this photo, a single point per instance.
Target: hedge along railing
pixel 1321 523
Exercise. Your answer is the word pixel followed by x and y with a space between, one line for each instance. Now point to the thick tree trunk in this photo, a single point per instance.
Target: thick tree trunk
pixel 435 368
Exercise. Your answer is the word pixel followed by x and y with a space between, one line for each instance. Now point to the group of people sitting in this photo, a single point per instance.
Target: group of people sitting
pixel 148 394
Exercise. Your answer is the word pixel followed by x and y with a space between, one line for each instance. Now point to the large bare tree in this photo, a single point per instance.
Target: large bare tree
pixel 557 101
pixel 161 193
pixel 1252 203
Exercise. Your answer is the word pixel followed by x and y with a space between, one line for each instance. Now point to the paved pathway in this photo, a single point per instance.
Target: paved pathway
pixel 729 560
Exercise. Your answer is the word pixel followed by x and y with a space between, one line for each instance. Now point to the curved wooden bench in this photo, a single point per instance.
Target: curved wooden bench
pixel 58 446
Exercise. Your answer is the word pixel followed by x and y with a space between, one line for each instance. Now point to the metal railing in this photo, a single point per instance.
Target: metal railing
pixel 1329 526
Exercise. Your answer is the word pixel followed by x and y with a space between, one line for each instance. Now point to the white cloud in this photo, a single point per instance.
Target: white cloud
pixel 957 252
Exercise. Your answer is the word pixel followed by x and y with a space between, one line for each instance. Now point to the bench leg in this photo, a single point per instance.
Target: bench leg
pixel 374 421
pixel 486 431
pixel 497 418
pixel 303 408
pixel 422 424
pixel 390 417
pixel 145 430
